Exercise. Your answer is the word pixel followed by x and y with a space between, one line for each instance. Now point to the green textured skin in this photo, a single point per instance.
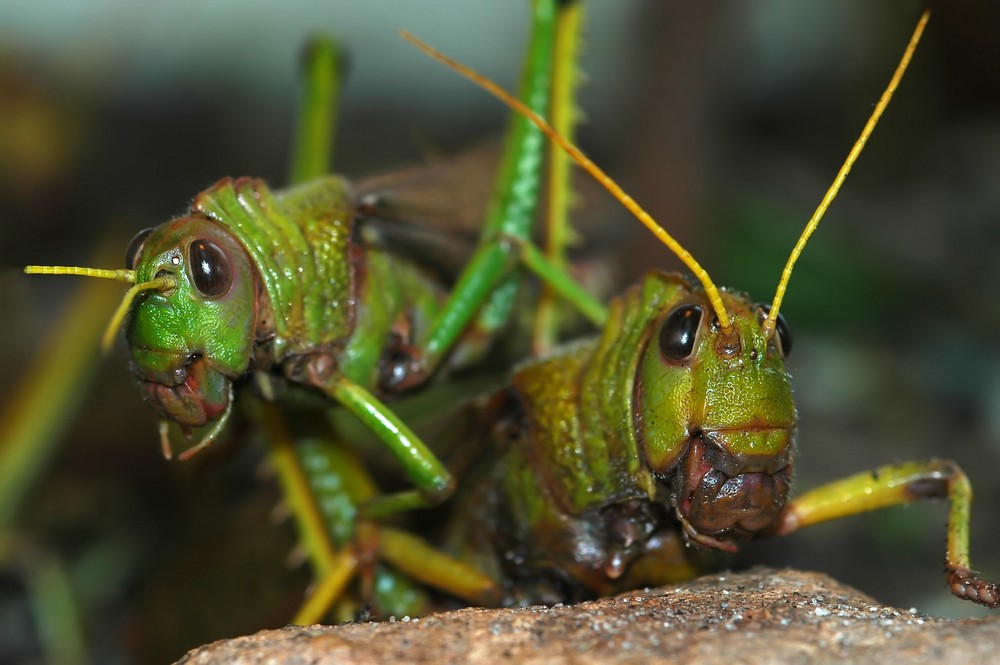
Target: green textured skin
pixel 751 399
pixel 303 286
pixel 581 496
pixel 512 210
pixel 299 241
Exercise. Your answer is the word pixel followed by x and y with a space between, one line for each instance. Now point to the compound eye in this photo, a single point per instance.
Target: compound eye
pixel 677 336
pixel 210 269
pixel 783 332
pixel 134 248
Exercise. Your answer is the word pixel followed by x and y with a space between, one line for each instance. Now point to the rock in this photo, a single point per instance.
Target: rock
pixel 760 616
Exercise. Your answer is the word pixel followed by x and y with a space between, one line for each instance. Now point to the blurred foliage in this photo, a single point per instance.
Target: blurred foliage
pixel 726 120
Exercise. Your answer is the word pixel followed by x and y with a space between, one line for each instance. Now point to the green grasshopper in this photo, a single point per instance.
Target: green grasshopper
pixel 622 460
pixel 290 286
pixel 224 289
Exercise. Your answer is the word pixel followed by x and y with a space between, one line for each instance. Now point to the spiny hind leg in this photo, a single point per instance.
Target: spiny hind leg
pixel 484 295
pixel 357 562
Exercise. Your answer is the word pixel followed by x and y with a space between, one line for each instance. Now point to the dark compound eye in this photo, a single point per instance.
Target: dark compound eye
pixel 783 333
pixel 210 270
pixel 678 332
pixel 135 248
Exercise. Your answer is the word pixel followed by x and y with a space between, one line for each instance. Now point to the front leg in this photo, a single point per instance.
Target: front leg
pixel 434 482
pixel 898 484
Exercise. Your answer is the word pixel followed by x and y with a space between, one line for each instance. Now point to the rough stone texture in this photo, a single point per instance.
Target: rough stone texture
pixel 761 616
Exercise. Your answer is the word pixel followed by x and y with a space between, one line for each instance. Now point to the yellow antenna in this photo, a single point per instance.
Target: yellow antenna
pixel 786 274
pixel 127 276
pixel 587 165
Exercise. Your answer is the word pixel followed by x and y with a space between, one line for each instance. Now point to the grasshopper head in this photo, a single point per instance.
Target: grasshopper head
pixel 718 417
pixel 190 340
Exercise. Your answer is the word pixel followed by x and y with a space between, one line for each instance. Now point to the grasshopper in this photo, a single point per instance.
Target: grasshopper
pixel 289 285
pixel 623 460
pixel 296 287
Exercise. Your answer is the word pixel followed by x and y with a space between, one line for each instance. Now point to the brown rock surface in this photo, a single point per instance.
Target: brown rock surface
pixel 760 616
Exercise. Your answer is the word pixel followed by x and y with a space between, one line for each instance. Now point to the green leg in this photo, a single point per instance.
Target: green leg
pixel 558 282
pixel 340 482
pixel 323 485
pixel 486 287
pixel 313 142
pixel 484 274
pixel 387 563
pixel 563 117
pixel 410 555
pixel 294 476
pixel 901 484
pixel 328 589
pixel 434 483
pixel 415 557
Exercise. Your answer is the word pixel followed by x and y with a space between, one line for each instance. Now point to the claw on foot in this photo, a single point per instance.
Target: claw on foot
pixel 966 585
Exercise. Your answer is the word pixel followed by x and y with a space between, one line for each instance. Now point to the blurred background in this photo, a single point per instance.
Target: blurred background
pixel 727 121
